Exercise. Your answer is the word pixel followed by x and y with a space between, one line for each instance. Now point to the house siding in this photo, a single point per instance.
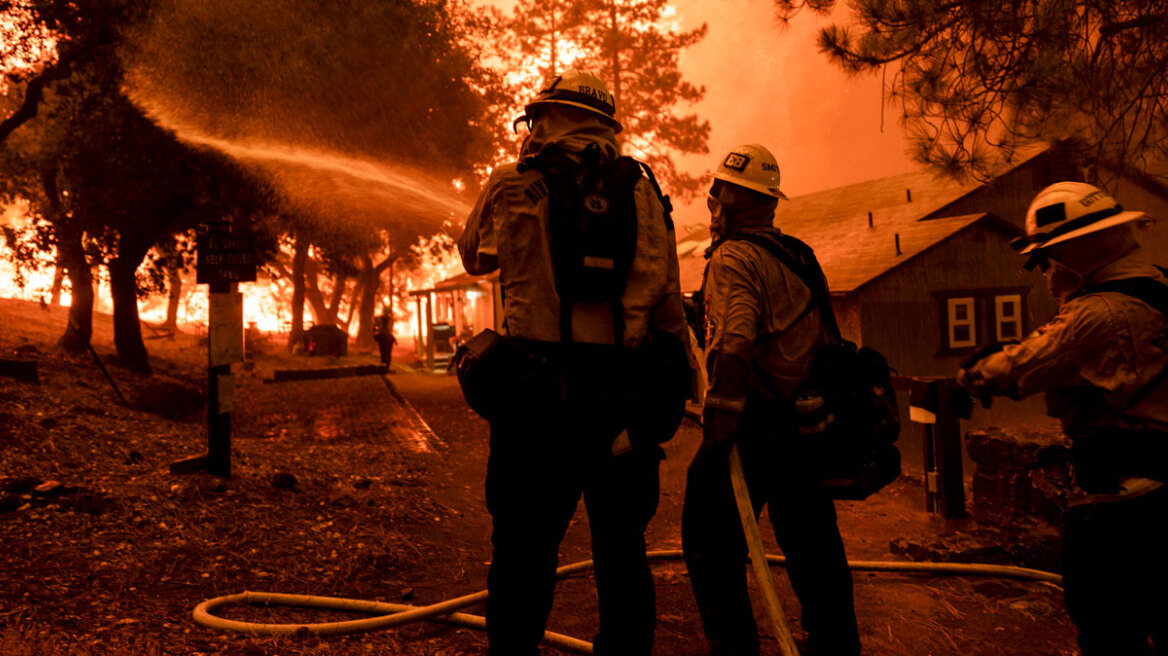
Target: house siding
pixel 900 317
pixel 1006 197
pixel 1154 237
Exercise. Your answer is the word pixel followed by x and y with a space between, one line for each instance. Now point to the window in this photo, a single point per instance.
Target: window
pixel 962 332
pixel 969 318
pixel 1008 317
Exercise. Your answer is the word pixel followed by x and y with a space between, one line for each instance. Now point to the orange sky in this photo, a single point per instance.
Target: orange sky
pixel 768 85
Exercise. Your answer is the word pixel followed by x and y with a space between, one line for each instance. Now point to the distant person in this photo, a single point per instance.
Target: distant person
pixel 594 323
pixel 383 335
pixel 1102 364
pixel 762 327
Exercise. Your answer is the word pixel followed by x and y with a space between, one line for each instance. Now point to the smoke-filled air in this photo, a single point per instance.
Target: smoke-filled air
pixel 319 318
pixel 325 102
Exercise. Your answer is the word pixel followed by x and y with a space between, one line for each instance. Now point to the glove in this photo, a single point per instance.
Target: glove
pixel 961 403
pixel 718 428
pixel 985 352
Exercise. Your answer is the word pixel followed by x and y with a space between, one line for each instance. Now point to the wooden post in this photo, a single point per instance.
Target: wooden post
pixel 941 439
pixel 947 445
pixel 220 385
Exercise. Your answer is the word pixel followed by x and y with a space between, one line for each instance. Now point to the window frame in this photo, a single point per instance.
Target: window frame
pixel 984 322
pixel 952 324
pixel 1017 319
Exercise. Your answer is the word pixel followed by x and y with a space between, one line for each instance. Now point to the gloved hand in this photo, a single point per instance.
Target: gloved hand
pixel 718 428
pixel 984 352
pixel 961 403
pixel 961 398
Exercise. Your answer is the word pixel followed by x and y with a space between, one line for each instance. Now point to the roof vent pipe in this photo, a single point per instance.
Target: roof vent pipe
pixel 898 243
pixel 908 194
pixel 869 219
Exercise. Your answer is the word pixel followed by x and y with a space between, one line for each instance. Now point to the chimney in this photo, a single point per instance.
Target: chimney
pixel 908 194
pixel 898 243
pixel 869 219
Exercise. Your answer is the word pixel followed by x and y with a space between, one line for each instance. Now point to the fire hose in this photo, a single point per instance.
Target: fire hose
pixel 388 615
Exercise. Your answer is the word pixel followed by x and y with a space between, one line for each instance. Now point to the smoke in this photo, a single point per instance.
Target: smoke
pixel 316 97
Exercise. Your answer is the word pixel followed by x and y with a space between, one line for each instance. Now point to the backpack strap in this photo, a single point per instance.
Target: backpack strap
pixel 804 265
pixel 1155 294
pixel 666 203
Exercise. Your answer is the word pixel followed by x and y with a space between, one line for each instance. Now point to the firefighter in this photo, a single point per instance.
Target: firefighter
pixel 762 328
pixel 589 278
pixel 383 335
pixel 1101 363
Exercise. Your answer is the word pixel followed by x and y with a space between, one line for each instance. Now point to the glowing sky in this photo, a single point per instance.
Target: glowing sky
pixel 770 85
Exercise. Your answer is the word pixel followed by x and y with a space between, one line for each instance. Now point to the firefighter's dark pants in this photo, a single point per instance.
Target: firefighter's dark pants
pixel 805 526
pixel 540 464
pixel 1115 573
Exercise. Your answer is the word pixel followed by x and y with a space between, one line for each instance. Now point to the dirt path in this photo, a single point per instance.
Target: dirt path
pixel 338 490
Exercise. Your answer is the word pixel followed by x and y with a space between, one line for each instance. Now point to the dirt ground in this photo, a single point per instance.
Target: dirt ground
pixel 364 487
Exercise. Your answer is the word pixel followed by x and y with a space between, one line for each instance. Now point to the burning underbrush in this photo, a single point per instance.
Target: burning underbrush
pixel 106 552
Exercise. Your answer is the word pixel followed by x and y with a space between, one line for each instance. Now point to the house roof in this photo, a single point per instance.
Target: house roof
pixel 461 281
pixel 835 223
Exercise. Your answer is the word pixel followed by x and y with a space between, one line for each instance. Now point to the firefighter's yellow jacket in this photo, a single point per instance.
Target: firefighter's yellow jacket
pixel 508 231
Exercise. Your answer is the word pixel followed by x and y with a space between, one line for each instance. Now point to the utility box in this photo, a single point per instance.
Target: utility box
pixel 327 341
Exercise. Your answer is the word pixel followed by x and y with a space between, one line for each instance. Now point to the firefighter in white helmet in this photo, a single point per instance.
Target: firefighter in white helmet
pixel 762 328
pixel 1102 364
pixel 594 373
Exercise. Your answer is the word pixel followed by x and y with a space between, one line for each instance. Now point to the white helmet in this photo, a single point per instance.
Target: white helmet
pixel 581 89
pixel 1068 210
pixel 751 166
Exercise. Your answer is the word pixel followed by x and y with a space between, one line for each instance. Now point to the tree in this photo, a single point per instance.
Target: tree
pixel 44 42
pixel 639 49
pixel 976 80
pixel 634 46
pixel 362 113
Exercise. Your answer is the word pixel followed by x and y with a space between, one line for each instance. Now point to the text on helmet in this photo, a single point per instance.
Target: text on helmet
pixel 595 93
pixel 736 161
pixel 1092 198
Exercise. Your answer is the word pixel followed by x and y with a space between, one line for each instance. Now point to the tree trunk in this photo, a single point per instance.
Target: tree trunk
pixel 392 289
pixel 79 328
pixel 58 282
pixel 174 293
pixel 334 308
pixel 299 259
pixel 312 293
pixel 127 326
pixel 616 72
pixel 369 283
pixel 71 257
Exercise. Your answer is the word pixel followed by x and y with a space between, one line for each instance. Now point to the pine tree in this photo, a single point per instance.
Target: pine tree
pixel 634 46
pixel 976 80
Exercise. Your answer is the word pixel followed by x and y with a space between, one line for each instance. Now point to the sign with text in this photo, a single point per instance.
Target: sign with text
pixel 222 257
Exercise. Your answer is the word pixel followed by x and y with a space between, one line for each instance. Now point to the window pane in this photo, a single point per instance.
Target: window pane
pixel 961 331
pixel 961 335
pixel 1008 316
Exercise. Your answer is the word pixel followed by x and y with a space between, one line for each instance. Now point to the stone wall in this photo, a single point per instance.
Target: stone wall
pixel 1019 475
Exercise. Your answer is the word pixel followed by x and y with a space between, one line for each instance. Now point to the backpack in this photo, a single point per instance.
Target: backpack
pixel 846 409
pixel 1150 291
pixel 592 228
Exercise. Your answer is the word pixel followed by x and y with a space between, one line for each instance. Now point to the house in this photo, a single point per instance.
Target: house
pixel 451 312
pixel 920 267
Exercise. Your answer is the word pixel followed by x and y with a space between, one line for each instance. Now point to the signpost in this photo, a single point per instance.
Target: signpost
pixel 222 261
